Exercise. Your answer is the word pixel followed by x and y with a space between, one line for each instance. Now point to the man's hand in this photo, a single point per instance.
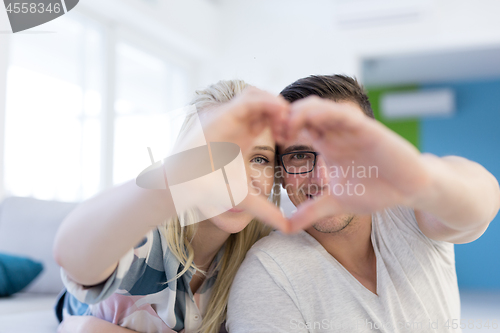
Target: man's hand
pixel 370 167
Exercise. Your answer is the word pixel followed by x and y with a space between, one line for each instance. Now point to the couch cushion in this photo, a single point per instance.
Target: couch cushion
pixel 27 228
pixel 16 273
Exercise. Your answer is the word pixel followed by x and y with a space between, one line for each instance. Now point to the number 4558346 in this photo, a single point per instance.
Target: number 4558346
pixel 32 8
pixel 464 323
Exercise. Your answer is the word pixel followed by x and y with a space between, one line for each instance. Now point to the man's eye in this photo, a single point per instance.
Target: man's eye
pixel 260 160
pixel 299 156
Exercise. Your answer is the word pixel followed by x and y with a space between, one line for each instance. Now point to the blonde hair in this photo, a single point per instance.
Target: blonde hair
pixel 237 245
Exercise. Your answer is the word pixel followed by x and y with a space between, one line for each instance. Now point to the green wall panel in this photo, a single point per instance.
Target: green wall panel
pixel 408 128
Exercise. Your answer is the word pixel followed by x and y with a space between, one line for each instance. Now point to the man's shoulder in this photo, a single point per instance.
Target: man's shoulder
pixel 273 260
pixel 278 244
pixel 399 228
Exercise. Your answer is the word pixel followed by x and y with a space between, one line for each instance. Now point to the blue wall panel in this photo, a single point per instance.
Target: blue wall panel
pixel 474 133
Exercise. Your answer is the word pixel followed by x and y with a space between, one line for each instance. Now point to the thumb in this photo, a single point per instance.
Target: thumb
pixel 312 211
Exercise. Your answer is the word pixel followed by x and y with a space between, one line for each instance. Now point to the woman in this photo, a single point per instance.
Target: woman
pixel 176 278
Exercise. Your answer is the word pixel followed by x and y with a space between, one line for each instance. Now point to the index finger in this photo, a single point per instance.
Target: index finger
pixel 266 212
pixel 322 115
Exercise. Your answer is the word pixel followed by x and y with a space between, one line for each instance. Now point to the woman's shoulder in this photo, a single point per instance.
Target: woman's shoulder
pixel 153 265
pixel 151 247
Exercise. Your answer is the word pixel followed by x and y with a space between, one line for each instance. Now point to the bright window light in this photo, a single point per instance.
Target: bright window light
pixel 53 129
pixel 56 121
pixel 144 107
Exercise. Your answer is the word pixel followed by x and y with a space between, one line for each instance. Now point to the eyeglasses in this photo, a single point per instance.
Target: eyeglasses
pixel 298 162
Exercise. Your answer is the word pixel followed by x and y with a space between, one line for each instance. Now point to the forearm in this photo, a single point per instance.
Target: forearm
pixel 90 324
pixel 101 326
pixel 462 194
pixel 95 235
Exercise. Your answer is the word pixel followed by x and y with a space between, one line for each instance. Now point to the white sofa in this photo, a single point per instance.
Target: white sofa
pixel 27 228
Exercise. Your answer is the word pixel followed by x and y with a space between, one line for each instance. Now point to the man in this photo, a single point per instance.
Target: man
pixel 379 256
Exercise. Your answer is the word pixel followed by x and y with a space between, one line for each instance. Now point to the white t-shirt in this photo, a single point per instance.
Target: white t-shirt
pixel 289 283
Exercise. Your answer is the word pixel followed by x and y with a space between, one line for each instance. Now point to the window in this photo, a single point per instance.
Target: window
pixel 52 126
pixel 55 110
pixel 144 108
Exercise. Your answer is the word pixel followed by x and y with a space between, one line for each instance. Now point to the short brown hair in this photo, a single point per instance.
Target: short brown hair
pixel 335 87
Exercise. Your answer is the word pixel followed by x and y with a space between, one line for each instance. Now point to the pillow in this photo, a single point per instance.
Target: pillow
pixel 16 273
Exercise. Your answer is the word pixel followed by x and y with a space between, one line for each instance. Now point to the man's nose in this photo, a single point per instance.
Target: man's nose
pixel 319 175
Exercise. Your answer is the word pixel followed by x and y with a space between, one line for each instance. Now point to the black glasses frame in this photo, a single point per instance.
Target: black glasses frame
pixel 298 152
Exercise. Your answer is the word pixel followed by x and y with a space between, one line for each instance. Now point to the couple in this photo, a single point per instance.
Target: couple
pixel 365 251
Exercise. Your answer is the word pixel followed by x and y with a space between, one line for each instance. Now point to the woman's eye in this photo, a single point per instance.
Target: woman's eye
pixel 260 160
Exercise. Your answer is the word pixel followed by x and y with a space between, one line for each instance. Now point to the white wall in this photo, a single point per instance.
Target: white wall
pixel 183 29
pixel 187 25
pixel 271 43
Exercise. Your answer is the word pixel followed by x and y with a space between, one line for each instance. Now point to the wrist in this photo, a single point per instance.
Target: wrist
pixel 427 193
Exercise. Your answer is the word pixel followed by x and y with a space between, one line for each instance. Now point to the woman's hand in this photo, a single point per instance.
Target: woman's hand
pixel 89 324
pixel 240 121
pixel 244 117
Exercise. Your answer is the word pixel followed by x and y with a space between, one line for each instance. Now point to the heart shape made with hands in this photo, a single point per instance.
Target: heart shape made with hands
pixel 339 131
pixel 354 150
